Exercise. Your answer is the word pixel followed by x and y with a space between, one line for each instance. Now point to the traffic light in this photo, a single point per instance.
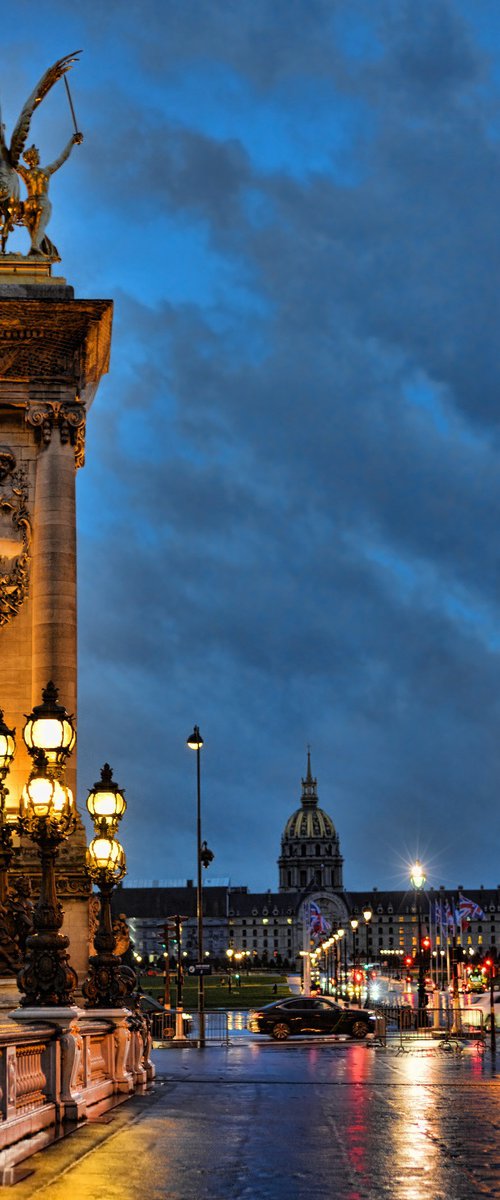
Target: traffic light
pixel 426 942
pixel 408 960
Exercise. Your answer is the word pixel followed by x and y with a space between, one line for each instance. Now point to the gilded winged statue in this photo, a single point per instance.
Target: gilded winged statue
pixel 35 212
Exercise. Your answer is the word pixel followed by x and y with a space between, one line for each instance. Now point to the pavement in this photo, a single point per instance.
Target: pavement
pixel 304 1120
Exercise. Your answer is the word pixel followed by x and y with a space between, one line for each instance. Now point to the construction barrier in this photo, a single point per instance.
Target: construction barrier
pixel 434 1027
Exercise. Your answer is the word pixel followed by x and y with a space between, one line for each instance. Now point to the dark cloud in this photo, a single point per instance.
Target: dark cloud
pixel 289 516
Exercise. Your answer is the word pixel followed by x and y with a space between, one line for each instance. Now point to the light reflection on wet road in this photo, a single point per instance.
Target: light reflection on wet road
pixel 260 1121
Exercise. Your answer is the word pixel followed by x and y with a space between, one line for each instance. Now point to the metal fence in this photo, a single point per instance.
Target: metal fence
pixel 432 1028
pixel 166 1027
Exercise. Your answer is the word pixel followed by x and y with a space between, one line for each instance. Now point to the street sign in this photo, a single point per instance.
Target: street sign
pixel 200 969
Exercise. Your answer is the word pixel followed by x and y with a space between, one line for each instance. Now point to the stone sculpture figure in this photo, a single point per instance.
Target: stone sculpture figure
pixel 22 909
pixel 122 935
pixel 11 206
pixel 16 925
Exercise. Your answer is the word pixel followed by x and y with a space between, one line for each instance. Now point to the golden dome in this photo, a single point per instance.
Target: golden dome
pixel 309 821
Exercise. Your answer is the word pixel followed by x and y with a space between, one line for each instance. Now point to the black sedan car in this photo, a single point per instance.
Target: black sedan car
pixel 310 1014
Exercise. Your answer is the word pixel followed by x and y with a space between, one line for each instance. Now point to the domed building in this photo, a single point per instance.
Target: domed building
pixel 310 854
pixel 310 905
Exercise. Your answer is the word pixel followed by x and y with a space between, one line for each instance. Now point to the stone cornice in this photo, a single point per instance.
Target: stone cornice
pixel 60 341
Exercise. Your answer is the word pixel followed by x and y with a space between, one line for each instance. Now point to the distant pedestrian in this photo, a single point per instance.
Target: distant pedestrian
pixel 275 989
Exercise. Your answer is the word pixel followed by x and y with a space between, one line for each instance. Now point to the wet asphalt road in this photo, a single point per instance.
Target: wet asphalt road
pixel 299 1121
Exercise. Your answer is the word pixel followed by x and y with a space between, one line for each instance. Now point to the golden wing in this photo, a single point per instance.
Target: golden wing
pixel 51 76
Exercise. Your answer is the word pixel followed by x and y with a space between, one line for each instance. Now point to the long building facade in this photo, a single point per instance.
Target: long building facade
pixel 311 903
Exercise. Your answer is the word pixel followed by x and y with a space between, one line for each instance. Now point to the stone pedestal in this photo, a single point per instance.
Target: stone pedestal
pixel 10 995
pixel 53 352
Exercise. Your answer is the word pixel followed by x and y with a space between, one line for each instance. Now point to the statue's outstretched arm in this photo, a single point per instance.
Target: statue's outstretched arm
pixel 58 162
pixel 47 81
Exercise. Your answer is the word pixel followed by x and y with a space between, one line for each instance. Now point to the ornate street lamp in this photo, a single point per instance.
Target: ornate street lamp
pixel 50 728
pixel 106 802
pixel 204 856
pixel 47 816
pixel 417 879
pixel 7 751
pixel 109 982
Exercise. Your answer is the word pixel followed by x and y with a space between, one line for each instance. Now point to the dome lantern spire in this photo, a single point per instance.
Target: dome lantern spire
pixel 309 796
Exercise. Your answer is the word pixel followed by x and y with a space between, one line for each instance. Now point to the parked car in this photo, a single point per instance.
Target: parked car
pixel 310 1014
pixel 483 1004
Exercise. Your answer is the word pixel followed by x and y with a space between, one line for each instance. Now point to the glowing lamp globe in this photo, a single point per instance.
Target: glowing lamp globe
pixel 417 876
pixel 50 728
pixel 106 855
pixel 46 797
pixel 195 740
pixel 106 802
pixel 7 745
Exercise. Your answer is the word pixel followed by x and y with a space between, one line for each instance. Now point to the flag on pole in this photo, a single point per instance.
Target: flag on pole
pixel 469 910
pixel 318 923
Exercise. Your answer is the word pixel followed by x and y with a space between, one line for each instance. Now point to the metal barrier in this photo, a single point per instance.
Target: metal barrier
pixel 433 1028
pixel 216 1026
pixel 165 1026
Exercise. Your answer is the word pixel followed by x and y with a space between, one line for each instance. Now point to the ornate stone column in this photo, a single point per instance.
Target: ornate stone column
pixel 53 351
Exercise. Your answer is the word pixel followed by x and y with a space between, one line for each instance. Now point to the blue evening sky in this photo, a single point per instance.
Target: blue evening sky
pixel 289 517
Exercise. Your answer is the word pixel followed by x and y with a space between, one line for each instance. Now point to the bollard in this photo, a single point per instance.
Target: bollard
pixel 180 1036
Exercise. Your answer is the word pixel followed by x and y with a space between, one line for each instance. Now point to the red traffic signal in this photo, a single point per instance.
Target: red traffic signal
pixel 426 942
pixel 408 960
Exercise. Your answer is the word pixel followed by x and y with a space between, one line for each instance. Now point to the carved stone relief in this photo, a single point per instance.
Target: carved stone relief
pixel 15 536
pixel 68 417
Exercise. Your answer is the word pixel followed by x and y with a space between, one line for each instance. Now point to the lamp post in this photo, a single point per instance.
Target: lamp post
pixel 367 914
pixel 342 960
pixel 204 856
pixel 108 983
pixel 47 816
pixel 229 956
pixel 354 926
pixel 417 879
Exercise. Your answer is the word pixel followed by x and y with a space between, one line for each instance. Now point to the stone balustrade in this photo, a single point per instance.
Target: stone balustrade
pixel 60 1065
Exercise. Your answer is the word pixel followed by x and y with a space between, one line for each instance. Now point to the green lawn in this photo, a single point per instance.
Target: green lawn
pixel 254 990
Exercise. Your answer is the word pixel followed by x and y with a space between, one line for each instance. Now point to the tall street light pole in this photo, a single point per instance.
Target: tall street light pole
pixel 204 856
pixel 417 879
pixel 367 913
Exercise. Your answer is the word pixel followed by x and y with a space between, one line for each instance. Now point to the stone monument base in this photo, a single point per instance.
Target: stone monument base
pixel 10 996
